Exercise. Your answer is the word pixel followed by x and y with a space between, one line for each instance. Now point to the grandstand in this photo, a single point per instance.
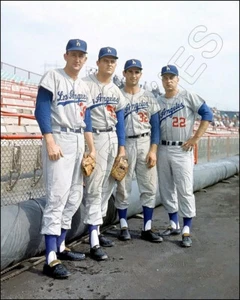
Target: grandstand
pixel 18 98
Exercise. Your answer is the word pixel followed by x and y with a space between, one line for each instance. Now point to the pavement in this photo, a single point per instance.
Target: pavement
pixel 138 269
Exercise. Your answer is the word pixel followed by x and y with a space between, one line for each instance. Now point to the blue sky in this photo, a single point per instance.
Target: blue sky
pixel 200 37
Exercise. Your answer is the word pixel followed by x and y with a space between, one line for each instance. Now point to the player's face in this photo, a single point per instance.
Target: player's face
pixel 132 76
pixel 107 65
pixel 75 60
pixel 170 82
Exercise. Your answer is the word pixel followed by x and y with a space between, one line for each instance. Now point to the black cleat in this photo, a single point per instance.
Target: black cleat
pixel 56 270
pixel 170 231
pixel 150 236
pixel 186 240
pixel 104 242
pixel 67 254
pixel 97 253
pixel 124 234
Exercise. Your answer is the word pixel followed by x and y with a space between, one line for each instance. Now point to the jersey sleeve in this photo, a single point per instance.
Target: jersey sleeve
pixel 205 112
pixel 195 101
pixel 120 127
pixel 47 81
pixel 89 101
pixel 122 100
pixel 155 128
pixel 43 110
pixel 154 108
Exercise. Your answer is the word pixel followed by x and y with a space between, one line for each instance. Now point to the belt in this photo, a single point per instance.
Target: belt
pixel 171 143
pixel 95 130
pixel 137 136
pixel 66 129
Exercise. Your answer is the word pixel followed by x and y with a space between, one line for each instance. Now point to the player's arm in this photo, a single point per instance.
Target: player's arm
pixel 155 139
pixel 120 127
pixel 207 116
pixel 88 133
pixel 43 116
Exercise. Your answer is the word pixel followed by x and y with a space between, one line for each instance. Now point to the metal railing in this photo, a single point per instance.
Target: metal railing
pixel 21 72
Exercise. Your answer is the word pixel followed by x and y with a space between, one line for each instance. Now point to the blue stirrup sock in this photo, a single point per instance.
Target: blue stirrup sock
pixel 122 214
pixel 147 218
pixel 187 224
pixel 61 240
pixel 174 222
pixel 93 235
pixel 51 248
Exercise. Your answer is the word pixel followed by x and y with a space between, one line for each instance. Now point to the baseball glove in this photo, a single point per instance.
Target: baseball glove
pixel 120 168
pixel 88 165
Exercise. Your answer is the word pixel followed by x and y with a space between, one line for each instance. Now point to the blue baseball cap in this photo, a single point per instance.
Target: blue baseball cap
pixel 169 69
pixel 132 63
pixel 77 45
pixel 107 51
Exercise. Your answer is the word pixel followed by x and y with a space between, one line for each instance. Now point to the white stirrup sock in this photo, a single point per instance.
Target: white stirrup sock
pixel 186 229
pixel 123 223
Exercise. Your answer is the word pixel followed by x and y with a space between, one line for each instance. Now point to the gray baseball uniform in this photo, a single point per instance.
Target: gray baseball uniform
pixel 174 165
pixel 140 107
pixel 107 100
pixel 70 100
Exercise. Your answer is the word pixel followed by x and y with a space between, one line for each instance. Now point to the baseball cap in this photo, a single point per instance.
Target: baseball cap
pixel 169 69
pixel 107 51
pixel 76 44
pixel 132 63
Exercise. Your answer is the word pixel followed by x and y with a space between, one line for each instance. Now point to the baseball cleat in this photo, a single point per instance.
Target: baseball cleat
pixel 104 242
pixel 170 231
pixel 150 236
pixel 124 235
pixel 186 240
pixel 67 254
pixel 97 253
pixel 56 270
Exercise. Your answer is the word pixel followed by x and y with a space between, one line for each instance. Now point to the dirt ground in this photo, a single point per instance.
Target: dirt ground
pixel 137 269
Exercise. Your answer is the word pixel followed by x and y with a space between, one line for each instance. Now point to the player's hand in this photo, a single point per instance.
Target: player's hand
pixel 54 152
pixel 121 152
pixel 92 154
pixel 189 144
pixel 151 159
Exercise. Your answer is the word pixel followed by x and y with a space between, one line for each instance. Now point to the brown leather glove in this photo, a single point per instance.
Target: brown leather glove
pixel 88 165
pixel 120 168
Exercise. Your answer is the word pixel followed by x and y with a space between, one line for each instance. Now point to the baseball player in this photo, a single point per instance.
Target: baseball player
pixel 107 115
pixel 63 114
pixel 142 137
pixel 175 152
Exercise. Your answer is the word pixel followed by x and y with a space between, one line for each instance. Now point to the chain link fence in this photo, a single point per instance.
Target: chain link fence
pixel 21 170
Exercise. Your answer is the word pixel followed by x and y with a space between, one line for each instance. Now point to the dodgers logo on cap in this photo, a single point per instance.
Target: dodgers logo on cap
pixel 76 45
pixel 133 63
pixel 169 69
pixel 107 51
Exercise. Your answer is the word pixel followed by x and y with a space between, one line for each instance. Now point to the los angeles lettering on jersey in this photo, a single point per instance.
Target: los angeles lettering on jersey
pixel 135 107
pixel 70 98
pixel 102 100
pixel 165 113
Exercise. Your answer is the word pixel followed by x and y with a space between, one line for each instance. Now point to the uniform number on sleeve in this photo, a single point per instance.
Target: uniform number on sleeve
pixel 143 117
pixel 178 122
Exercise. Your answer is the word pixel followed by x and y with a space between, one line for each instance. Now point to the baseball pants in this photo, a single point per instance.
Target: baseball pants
pixel 137 150
pixel 175 177
pixel 64 183
pixel 100 184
